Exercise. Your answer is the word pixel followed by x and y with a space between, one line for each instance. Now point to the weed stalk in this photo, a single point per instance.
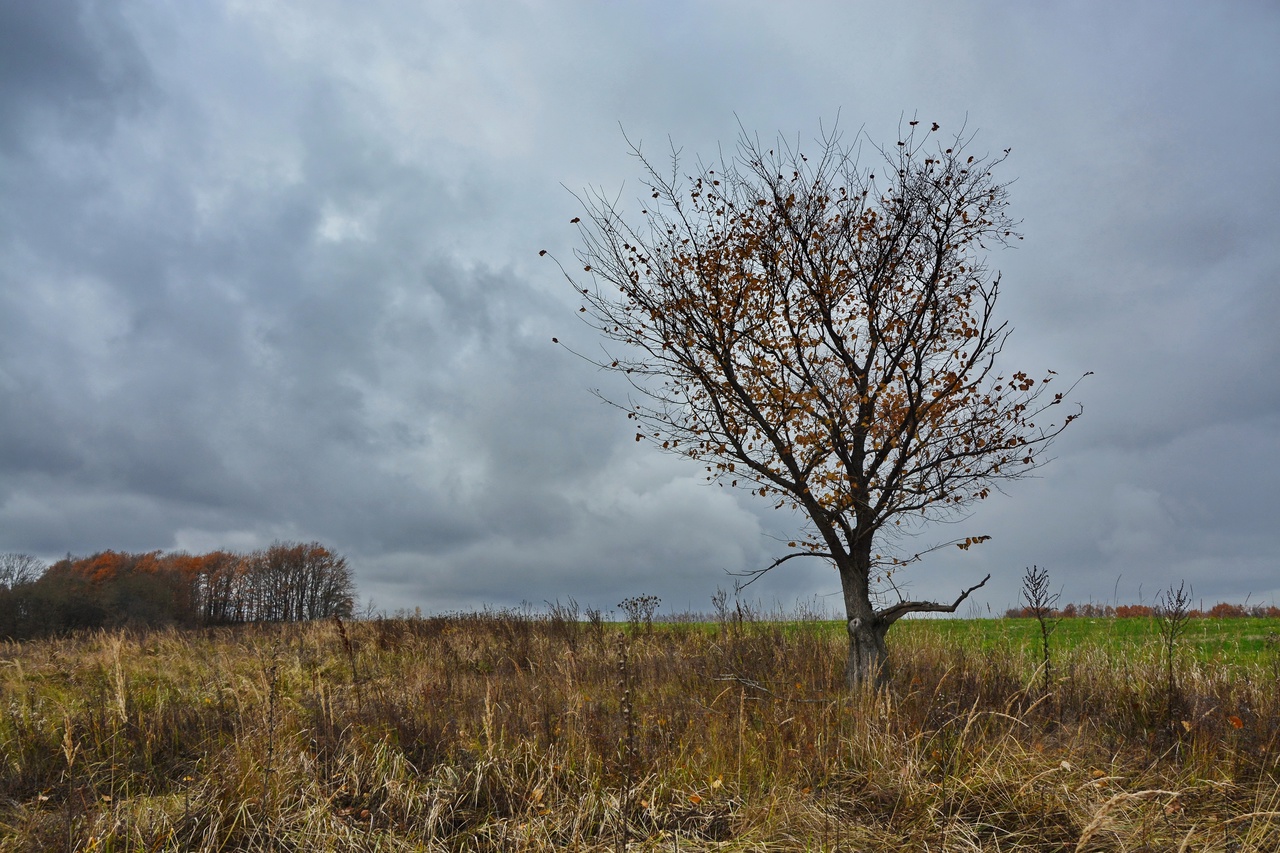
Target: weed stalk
pixel 1042 603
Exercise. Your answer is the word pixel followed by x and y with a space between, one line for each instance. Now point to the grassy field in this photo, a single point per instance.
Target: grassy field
pixel 1229 642
pixel 507 732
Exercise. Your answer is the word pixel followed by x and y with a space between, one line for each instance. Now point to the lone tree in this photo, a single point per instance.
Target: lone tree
pixel 824 335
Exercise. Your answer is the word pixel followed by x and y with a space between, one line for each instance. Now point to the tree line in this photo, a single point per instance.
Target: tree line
pixel 286 582
pixel 1221 610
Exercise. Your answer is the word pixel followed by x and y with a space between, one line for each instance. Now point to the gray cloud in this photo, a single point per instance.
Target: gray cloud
pixel 66 66
pixel 270 271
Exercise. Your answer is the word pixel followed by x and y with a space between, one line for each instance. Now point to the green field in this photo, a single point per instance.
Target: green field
pixel 1235 642
pixel 1239 641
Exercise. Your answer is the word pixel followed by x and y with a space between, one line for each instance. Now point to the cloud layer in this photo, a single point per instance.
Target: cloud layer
pixel 270 271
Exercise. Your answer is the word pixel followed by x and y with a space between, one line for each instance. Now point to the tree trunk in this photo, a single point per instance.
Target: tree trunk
pixel 868 662
pixel 868 655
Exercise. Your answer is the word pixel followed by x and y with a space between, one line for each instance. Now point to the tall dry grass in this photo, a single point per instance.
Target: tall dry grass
pixel 506 732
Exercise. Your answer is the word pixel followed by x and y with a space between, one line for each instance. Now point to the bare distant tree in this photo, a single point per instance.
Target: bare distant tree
pixel 17 569
pixel 291 581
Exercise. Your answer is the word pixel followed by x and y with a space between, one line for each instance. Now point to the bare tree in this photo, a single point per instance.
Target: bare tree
pixel 18 569
pixel 824 334
pixel 292 581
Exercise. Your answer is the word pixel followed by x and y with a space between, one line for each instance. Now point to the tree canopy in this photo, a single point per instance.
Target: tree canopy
pixel 823 334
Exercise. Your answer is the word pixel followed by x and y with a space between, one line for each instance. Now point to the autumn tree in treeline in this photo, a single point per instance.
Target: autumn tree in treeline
pixel 286 582
pixel 824 334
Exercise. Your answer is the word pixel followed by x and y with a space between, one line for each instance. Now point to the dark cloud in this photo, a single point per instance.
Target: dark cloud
pixel 68 67
pixel 270 271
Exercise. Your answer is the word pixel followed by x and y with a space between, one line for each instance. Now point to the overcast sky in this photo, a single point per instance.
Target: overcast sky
pixel 270 271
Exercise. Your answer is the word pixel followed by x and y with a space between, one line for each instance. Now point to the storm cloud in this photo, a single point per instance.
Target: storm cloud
pixel 270 271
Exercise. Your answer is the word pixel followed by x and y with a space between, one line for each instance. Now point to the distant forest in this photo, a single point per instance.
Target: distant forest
pixel 287 582
pixel 1221 610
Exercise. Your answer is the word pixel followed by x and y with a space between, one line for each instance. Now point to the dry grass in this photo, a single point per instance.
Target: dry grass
pixel 501 732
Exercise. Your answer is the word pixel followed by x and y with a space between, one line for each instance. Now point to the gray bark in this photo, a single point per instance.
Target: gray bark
pixel 868 655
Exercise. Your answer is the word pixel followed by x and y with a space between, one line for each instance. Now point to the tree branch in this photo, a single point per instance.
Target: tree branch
pixel 756 574
pixel 892 614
